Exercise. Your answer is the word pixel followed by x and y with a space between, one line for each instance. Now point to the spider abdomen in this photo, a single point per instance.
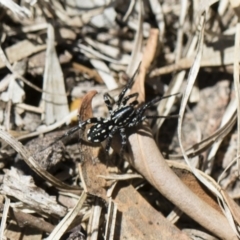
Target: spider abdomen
pixel 99 131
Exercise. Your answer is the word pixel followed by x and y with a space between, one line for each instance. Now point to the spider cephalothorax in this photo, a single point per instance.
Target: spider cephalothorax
pixel 125 115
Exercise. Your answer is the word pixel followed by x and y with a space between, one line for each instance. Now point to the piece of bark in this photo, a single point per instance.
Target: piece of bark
pixel 23 188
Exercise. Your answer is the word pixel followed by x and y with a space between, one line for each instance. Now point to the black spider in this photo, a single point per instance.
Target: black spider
pixel 124 116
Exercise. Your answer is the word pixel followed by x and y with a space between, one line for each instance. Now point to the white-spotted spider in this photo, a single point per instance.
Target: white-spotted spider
pixel 124 116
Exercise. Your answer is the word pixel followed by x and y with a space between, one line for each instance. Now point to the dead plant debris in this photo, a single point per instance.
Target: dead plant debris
pixel 178 178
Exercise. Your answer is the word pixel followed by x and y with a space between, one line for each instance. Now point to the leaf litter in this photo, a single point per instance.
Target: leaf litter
pixel 178 178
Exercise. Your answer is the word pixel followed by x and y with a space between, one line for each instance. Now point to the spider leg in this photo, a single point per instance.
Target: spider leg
pixel 128 86
pixel 171 116
pixel 123 136
pixel 141 110
pixel 81 125
pixel 139 115
pixel 110 137
pixel 124 141
pixel 66 134
pixel 147 117
pixel 155 100
pixel 124 101
pixel 108 101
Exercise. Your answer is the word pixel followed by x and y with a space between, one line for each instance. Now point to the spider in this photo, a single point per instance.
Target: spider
pixel 125 115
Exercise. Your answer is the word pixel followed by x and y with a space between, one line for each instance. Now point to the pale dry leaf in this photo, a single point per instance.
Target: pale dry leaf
pixel 54 94
pixel 5 82
pixel 108 50
pixel 26 29
pixel 105 74
pixel 15 92
pixel 207 142
pixel 197 234
pixel 105 19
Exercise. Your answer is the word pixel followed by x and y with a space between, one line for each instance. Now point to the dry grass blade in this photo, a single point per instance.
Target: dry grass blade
pixel 91 52
pixel 94 222
pixel 92 73
pixel 136 52
pixel 180 30
pixel 205 143
pixel 175 85
pixel 104 72
pixel 62 227
pixel 158 12
pixel 237 87
pixel 111 220
pixel 130 8
pixel 210 58
pixel 229 117
pixel 4 217
pixel 120 177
